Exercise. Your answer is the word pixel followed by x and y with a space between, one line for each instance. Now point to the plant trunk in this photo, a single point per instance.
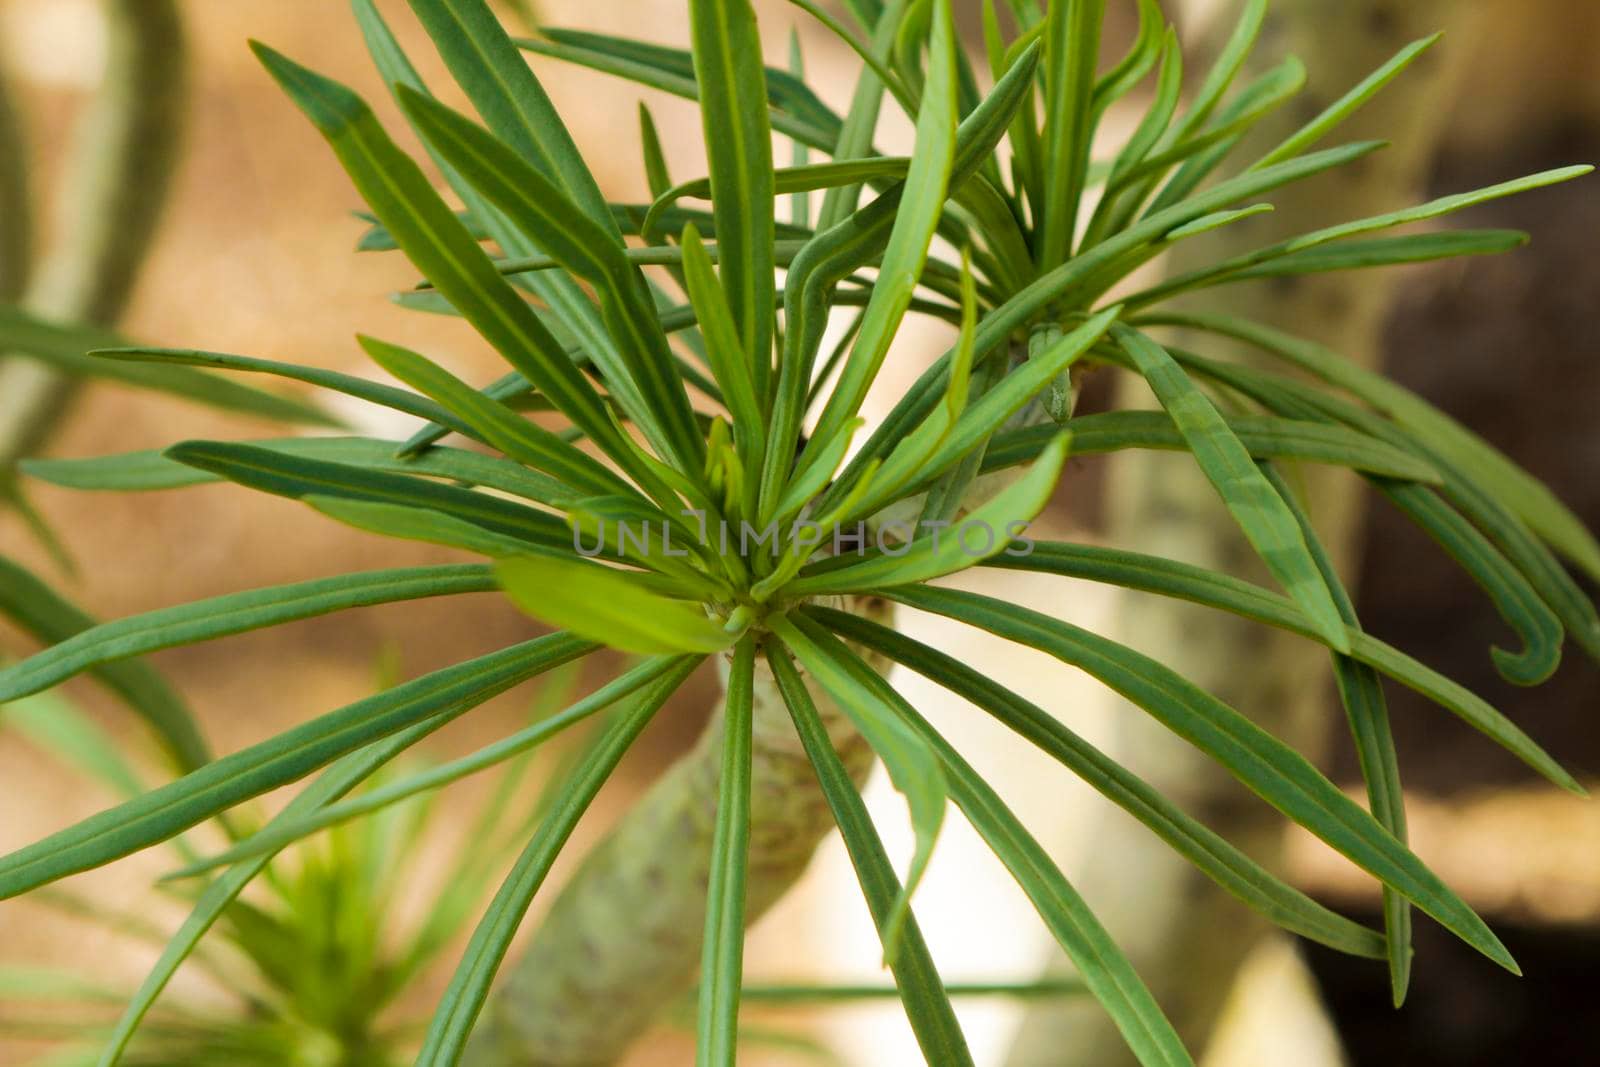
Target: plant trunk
pixel 1187 937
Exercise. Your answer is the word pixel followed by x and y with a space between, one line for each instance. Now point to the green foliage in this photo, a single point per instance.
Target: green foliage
pixel 316 955
pixel 683 379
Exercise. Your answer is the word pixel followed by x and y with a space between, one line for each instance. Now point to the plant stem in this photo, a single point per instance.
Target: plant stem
pixel 125 151
pixel 16 216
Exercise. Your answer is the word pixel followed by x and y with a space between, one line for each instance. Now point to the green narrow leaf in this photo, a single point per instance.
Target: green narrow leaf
pixel 798 179
pixel 1525 495
pixel 1102 965
pixel 1007 264
pixel 911 764
pixel 833 254
pixel 445 252
pixel 1223 71
pixel 802 993
pixel 1380 252
pixel 793 109
pixel 1215 221
pixel 725 353
pixel 1261 514
pixel 799 151
pixel 407 523
pixel 1139 61
pixel 1361 693
pixel 1264 436
pixel 1141 242
pixel 644 380
pixel 1210 853
pixel 223 783
pixel 372 392
pixel 1188 128
pixel 787 95
pixel 1027 161
pixel 55 725
pixel 520 439
pixel 297 477
pixel 654 255
pixel 609 606
pixel 1157 117
pixel 1203 151
pixel 1304 243
pixel 145 471
pixel 824 374
pixel 853 137
pixel 722 959
pixel 485 62
pixel 462 1001
pixel 1072 50
pixel 917 981
pixel 568 304
pixel 1225 593
pixel 985 416
pixel 1525 556
pixel 1549 580
pixel 911 455
pixel 926 186
pixel 1514 598
pixel 805 487
pixel 91 647
pixel 39 610
pixel 1259 761
pixel 1346 105
pixel 922 559
pixel 738 137
pixel 220 894
pixel 627 528
pixel 67 348
pixel 452 910
pixel 282 832
pixel 657 177
pixel 379 239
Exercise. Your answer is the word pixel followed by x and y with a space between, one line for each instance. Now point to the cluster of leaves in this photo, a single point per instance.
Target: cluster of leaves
pixel 722 413
pixel 310 969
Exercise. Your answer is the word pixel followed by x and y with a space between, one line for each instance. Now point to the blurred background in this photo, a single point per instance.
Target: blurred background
pixel 255 255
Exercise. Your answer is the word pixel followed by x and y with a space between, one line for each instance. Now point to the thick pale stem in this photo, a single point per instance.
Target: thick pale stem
pixel 116 184
pixel 623 937
pixel 1187 937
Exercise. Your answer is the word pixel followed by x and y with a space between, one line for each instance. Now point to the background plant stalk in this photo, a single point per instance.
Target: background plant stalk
pixel 117 182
